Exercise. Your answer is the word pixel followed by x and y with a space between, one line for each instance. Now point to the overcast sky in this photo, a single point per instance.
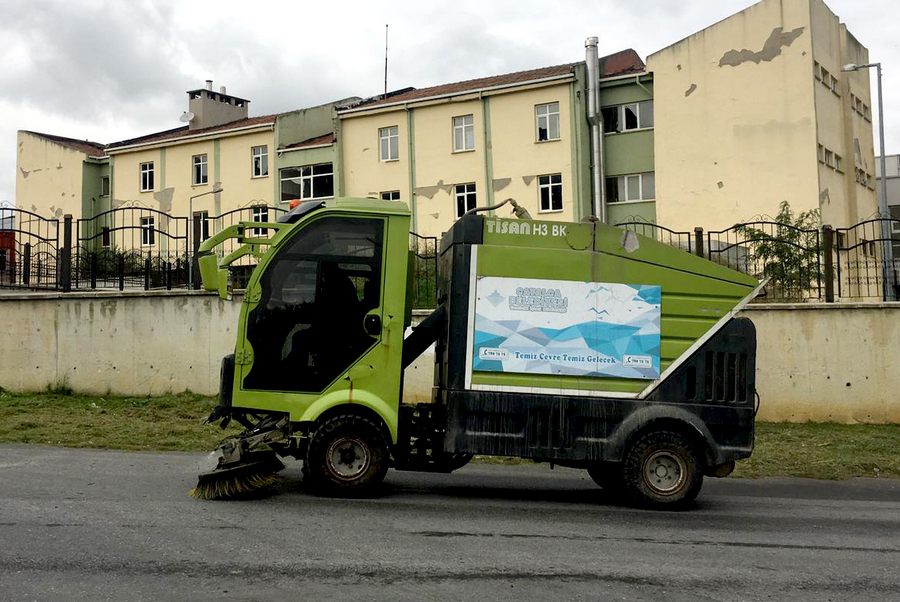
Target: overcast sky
pixel 112 70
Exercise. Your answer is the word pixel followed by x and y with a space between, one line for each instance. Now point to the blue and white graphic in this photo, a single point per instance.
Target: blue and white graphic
pixel 563 327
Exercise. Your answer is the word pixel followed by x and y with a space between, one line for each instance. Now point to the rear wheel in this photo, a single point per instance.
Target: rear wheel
pixel 347 456
pixel 661 470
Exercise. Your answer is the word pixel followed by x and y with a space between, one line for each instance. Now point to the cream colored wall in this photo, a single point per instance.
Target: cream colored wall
pixel 236 176
pixel 840 129
pixel 363 173
pixel 126 180
pixel 48 177
pixel 517 155
pixel 173 175
pixel 735 123
pixel 439 169
pixel 517 158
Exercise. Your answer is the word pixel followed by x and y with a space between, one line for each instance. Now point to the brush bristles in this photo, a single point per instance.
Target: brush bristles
pixel 222 488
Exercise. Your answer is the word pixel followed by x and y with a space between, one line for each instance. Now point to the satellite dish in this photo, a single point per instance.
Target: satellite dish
pixel 186 116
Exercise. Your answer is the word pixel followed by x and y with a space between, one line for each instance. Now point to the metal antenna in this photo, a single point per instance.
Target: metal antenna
pixel 385 58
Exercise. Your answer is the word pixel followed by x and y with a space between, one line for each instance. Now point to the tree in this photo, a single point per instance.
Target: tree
pixel 788 253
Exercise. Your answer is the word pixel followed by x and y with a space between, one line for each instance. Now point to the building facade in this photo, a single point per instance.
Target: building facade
pixel 755 110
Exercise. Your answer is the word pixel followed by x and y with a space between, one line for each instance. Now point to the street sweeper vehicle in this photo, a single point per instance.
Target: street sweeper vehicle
pixel 577 344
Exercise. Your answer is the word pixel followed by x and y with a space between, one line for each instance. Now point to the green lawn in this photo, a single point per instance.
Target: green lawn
pixel 174 423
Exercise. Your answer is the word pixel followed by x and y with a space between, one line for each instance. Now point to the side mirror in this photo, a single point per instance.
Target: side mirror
pixel 372 325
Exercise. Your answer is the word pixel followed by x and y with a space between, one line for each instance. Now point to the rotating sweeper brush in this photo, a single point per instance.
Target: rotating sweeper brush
pixel 241 469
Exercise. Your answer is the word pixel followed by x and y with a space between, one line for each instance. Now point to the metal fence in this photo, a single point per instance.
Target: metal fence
pixel 29 249
pixel 139 247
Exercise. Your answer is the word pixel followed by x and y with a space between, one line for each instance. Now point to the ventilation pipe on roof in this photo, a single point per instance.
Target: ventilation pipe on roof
pixel 221 89
pixel 592 61
pixel 209 85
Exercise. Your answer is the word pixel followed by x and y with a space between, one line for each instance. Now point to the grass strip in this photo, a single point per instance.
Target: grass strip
pixel 174 423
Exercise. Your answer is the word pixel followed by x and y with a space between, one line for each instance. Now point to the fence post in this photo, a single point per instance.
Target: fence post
pixel 121 269
pixel 698 241
pixel 828 250
pixel 93 271
pixel 26 266
pixel 147 274
pixel 168 276
pixel 194 267
pixel 65 263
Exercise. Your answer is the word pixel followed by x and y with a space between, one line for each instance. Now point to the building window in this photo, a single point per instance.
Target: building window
pixel 104 236
pixel 547 116
pixel 631 187
pixel 389 143
pixel 816 73
pixel 829 158
pixel 465 198
pixel 147 176
pixel 104 186
pixel 821 153
pixel 260 213
pixel 833 84
pixel 199 172
pixel 307 182
pixel 260 156
pixel 148 231
pixel 838 163
pixel 463 133
pixel 390 195
pixel 201 218
pixel 550 192
pixel 631 116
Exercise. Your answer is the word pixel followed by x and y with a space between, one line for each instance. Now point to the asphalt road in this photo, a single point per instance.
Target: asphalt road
pixel 101 525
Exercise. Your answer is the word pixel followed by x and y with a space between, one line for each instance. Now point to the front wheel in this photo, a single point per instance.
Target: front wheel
pixel 347 456
pixel 661 470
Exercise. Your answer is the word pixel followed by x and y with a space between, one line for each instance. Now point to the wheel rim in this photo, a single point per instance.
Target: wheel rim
pixel 665 472
pixel 348 458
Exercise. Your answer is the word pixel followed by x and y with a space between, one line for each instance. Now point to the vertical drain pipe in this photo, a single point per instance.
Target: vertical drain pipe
pixel 592 61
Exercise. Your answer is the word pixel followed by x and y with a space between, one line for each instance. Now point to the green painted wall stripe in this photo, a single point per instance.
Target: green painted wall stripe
pixel 488 150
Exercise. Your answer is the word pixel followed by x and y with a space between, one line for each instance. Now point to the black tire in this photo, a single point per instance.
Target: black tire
pixel 661 470
pixel 347 457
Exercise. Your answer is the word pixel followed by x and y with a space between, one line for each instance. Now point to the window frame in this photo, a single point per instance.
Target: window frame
pixel 463 192
pixel 199 170
pixel 626 186
pixel 387 195
pixel 307 176
pixel 259 213
pixel 105 188
pixel 642 115
pixel 204 224
pixel 390 135
pixel 463 124
pixel 148 230
pixel 259 160
pixel 545 111
pixel 546 182
pixel 147 179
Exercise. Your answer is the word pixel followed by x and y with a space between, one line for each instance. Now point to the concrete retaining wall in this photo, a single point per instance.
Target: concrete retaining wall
pixel 815 362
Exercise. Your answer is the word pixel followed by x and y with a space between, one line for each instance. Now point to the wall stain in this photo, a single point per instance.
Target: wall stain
pixel 690 90
pixel 164 198
pixel 777 40
pixel 430 191
pixel 825 196
pixel 501 183
pixel 528 180
pixel 720 184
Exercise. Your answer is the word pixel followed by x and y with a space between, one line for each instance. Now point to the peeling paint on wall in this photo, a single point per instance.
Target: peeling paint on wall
pixel 528 180
pixel 501 183
pixel 430 191
pixel 777 40
pixel 690 90
pixel 164 198
pixel 824 197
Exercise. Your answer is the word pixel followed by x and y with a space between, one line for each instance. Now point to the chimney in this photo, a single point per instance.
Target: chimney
pixel 210 108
